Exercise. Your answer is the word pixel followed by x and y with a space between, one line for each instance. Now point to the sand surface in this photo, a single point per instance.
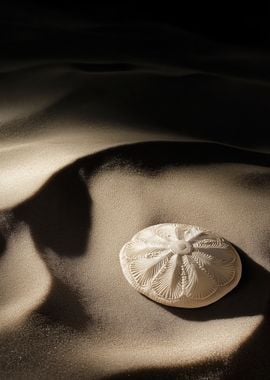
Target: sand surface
pixel 93 149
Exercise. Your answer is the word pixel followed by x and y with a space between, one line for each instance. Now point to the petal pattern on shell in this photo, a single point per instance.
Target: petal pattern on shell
pixel 180 265
pixel 211 243
pixel 199 284
pixel 167 283
pixel 145 268
pixel 219 250
pixel 149 235
pixel 136 248
pixel 222 272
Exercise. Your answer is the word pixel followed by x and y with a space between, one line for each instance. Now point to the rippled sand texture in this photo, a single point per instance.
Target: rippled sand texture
pixel 92 150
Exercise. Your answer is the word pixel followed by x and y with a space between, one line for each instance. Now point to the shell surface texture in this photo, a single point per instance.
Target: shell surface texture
pixel 180 265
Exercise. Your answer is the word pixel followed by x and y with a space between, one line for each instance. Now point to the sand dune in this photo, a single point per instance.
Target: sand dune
pixel 91 151
pixel 80 305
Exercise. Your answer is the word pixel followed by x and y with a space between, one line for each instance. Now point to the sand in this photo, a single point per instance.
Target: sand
pixel 93 150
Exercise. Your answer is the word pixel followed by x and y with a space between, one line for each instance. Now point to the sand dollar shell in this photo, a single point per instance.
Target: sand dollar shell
pixel 180 265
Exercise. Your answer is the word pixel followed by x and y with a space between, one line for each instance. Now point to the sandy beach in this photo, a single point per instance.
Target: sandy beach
pixel 99 143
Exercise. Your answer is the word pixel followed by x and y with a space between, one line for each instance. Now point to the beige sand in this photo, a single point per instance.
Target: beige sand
pixel 87 160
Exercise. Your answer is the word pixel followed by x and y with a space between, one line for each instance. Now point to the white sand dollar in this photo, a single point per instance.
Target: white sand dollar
pixel 180 265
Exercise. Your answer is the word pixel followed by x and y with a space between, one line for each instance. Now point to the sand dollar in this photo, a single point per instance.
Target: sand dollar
pixel 180 265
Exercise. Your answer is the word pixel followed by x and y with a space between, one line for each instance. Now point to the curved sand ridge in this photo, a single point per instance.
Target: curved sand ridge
pixel 80 173
pixel 75 294
pixel 53 114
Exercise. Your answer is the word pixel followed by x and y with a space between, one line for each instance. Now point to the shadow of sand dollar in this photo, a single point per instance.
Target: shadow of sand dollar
pixel 251 361
pixel 249 298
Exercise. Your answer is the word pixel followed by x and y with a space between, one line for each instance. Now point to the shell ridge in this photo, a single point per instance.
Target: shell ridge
pixel 168 287
pixel 220 256
pixel 143 270
pixel 198 288
pixel 151 254
pixel 211 243
pixel 201 264
pixel 168 256
pixel 224 274
pixel 136 255
pixel 221 273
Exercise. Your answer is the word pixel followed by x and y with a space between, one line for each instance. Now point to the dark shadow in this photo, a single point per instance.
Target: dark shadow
pixel 7 225
pixel 103 67
pixel 59 219
pixel 255 181
pixel 3 244
pixel 249 298
pixel 59 214
pixel 154 156
pixel 199 106
pixel 207 371
pixel 250 362
pixel 63 306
